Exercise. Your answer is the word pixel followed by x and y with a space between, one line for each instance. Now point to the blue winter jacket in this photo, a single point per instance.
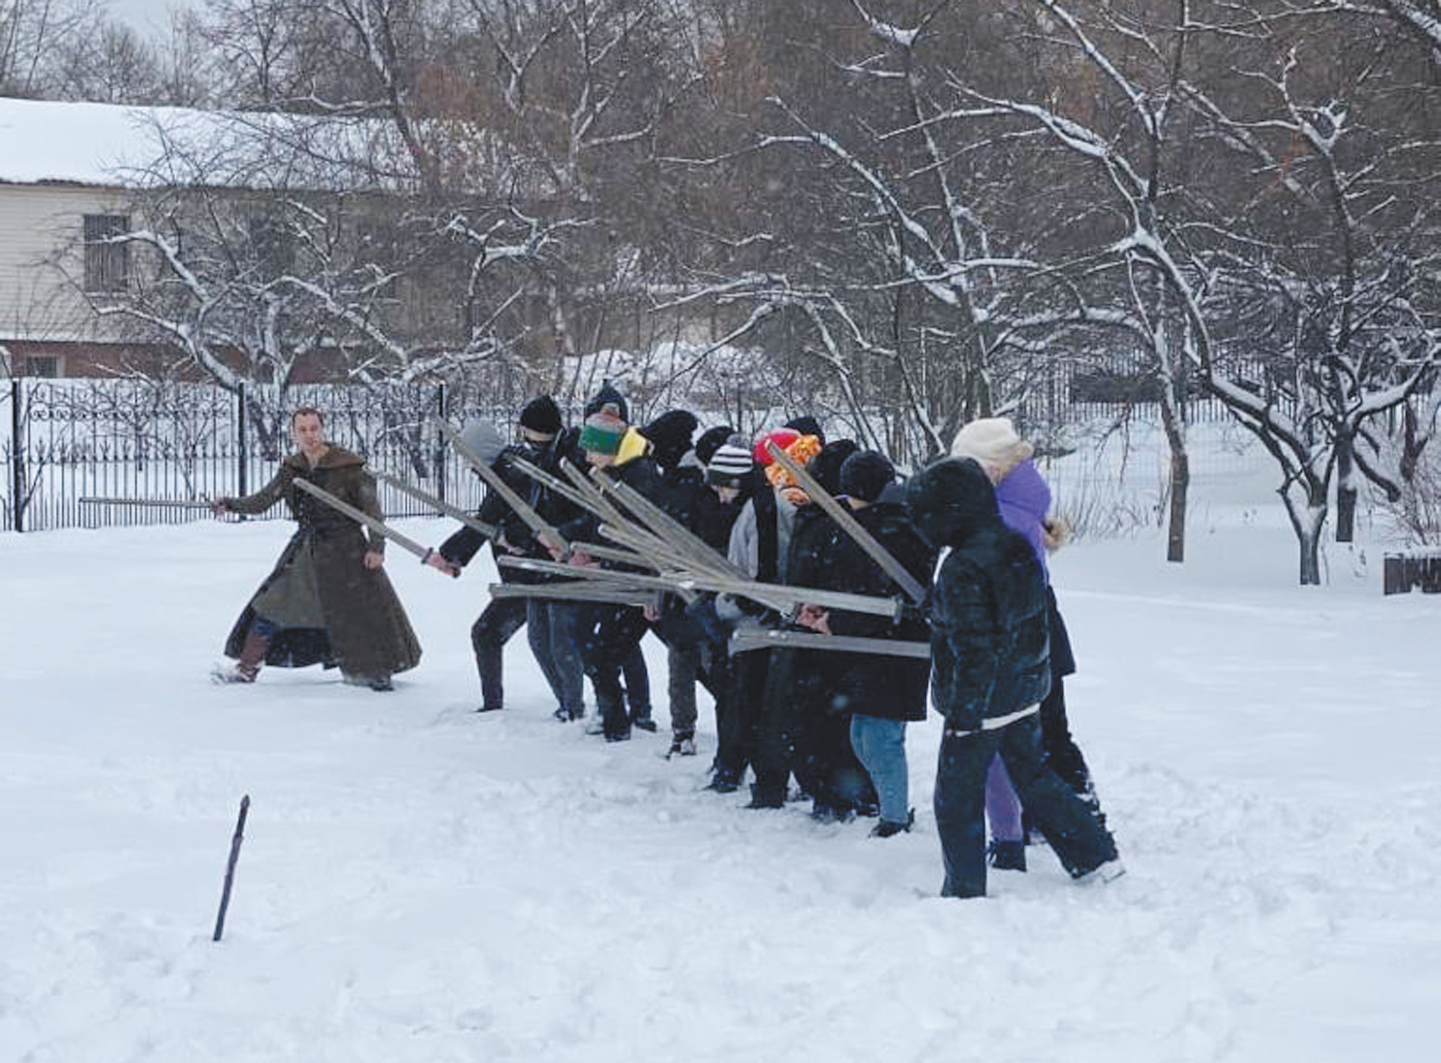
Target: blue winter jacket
pixel 989 622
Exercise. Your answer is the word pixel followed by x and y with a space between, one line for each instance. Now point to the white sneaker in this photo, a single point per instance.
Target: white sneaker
pixel 225 673
pixel 1108 872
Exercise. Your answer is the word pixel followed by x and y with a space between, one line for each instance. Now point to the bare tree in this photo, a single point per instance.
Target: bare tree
pixel 1200 243
pixel 31 33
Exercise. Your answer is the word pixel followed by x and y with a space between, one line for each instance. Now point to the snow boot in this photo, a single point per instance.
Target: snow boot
pixel 252 656
pixel 682 744
pixel 888 828
pixel 1007 856
pixel 724 781
pixel 1107 873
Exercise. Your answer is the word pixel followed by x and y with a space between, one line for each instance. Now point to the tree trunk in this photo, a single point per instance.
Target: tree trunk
pixel 1180 486
pixel 1308 517
pixel 1175 428
pixel 1345 489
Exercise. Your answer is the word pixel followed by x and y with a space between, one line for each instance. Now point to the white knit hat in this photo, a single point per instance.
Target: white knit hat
pixel 992 441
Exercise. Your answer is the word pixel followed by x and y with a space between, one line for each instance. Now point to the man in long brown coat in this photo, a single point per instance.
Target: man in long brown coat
pixel 328 600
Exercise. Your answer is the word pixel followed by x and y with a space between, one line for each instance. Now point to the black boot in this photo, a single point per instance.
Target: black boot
pixel 887 828
pixel 767 796
pixel 1007 856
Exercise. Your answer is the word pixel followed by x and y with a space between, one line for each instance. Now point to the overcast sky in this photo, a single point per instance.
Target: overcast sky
pixel 148 15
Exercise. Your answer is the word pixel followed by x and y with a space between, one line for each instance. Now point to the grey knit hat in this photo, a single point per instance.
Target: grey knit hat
pixel 483 439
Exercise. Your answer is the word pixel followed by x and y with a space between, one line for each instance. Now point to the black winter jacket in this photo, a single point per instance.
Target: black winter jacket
pixel 989 616
pixel 461 547
pixel 824 556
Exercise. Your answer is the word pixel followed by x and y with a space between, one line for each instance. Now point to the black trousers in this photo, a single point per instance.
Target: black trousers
pixel 502 618
pixel 608 635
pixel 781 739
pixel 1075 831
pixel 1062 753
pixel 832 773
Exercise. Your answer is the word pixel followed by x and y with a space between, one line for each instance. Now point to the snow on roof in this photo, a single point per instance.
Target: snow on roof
pixel 134 147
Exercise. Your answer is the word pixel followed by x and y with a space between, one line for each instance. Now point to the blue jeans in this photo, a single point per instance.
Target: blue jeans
pixel 551 629
pixel 881 747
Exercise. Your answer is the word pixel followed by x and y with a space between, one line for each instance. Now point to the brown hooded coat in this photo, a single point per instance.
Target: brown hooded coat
pixel 330 608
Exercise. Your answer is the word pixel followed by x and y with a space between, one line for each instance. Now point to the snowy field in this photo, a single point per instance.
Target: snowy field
pixel 420 884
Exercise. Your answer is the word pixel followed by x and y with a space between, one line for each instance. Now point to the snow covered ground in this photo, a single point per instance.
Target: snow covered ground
pixel 420 884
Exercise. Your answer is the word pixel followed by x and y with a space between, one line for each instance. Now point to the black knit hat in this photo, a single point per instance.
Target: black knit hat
pixel 670 435
pixel 542 415
pixel 608 397
pixel 826 468
pixel 710 441
pixel 807 425
pixel 865 474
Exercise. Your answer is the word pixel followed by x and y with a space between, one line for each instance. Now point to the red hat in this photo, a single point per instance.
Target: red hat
pixel 781 437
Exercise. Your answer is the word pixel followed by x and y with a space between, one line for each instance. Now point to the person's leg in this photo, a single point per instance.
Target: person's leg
pixel 608 635
pixel 880 746
pixel 1075 831
pixel 960 806
pixel 540 633
pixel 730 757
pixel 252 653
pixel 737 727
pixel 564 626
pixel 494 627
pixel 774 751
pixel 683 660
pixel 1003 810
pixel 637 688
pixel 552 632
pixel 1062 753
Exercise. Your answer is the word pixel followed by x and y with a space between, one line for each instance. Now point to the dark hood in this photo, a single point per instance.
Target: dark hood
pixel 950 501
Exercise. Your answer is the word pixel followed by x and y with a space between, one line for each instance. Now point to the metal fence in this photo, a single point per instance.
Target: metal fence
pixel 71 448
pixel 67 444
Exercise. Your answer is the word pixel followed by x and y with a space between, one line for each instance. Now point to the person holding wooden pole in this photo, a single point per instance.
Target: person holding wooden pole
pixel 866 699
pixel 609 635
pixel 327 601
pixel 550 625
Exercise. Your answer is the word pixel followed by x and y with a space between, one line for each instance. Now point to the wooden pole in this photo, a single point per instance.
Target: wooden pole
pixel 230 867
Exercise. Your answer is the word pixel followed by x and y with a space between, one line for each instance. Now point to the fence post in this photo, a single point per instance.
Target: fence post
pixel 440 443
pixel 17 465
pixel 241 489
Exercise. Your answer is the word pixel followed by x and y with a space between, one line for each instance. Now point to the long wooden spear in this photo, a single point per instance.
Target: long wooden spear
pixel 361 517
pixel 438 504
pixel 842 516
pixel 544 530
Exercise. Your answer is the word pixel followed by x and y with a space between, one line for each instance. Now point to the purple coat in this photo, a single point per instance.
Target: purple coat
pixel 1024 499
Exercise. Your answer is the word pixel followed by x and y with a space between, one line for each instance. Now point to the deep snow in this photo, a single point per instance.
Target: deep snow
pixel 422 884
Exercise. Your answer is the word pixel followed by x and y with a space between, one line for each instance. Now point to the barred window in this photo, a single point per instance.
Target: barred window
pixel 107 266
pixel 44 365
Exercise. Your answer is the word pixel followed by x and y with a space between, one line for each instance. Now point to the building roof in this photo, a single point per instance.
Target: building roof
pixel 108 145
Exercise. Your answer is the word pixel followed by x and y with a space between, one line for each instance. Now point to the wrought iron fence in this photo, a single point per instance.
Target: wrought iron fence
pixel 66 444
pixel 72 448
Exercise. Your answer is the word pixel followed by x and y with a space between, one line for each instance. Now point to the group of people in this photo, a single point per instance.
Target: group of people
pixel 981 634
